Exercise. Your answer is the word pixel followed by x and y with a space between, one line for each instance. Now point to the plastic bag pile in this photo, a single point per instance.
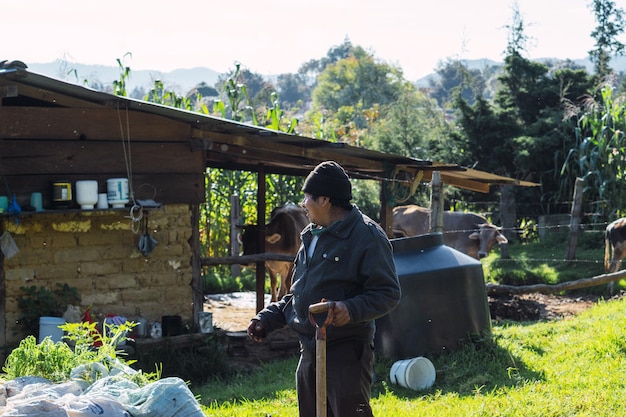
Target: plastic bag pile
pixel 111 396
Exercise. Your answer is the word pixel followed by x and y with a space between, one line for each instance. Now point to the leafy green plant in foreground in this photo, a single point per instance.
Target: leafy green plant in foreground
pixel 56 361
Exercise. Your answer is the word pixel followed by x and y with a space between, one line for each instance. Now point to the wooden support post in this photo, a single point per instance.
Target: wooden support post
pixel 508 216
pixel 386 211
pixel 436 203
pixel 196 270
pixel 574 225
pixel 260 266
pixel 235 269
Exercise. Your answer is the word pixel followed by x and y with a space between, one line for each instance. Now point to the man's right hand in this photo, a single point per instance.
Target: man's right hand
pixel 257 331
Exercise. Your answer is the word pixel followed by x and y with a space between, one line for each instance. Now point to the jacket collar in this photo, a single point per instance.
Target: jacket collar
pixel 340 229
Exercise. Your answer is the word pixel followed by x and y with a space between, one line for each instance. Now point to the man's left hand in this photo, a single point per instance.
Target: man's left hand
pixel 341 315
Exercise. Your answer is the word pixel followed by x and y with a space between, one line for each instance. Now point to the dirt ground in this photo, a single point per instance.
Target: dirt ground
pixel 232 312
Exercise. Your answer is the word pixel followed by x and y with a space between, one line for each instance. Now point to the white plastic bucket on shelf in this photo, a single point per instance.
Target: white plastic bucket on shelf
pixel 117 192
pixel 49 326
pixel 416 373
pixel 87 194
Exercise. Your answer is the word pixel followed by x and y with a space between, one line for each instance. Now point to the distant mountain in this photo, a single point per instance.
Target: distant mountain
pixel 618 64
pixel 183 80
pixel 179 80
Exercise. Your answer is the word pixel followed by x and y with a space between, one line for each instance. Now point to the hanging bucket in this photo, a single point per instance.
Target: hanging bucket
pixel 49 326
pixel 417 373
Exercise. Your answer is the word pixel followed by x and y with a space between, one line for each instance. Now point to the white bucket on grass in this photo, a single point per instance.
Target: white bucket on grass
pixel 416 373
pixel 49 326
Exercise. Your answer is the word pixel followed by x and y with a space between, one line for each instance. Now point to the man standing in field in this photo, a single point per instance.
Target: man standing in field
pixel 345 257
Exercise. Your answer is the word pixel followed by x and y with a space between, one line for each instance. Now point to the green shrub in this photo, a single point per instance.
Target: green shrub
pixel 219 282
pixel 36 302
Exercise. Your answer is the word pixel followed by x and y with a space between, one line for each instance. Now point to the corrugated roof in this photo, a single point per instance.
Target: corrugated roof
pixel 238 146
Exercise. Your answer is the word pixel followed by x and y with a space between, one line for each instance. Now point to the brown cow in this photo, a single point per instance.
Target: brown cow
pixel 282 236
pixel 614 247
pixel 469 233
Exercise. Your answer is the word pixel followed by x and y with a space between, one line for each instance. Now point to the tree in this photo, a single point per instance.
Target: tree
pixel 311 69
pixel 348 94
pixel 522 133
pixel 454 77
pixel 293 90
pixel 610 26
pixel 408 125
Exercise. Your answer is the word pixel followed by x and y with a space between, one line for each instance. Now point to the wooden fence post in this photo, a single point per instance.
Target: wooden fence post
pixel 574 225
pixel 235 212
pixel 436 203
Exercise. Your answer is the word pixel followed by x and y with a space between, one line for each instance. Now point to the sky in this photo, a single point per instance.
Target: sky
pixel 278 36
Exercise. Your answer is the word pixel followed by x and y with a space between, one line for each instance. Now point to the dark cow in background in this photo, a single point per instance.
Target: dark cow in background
pixel 282 236
pixel 469 233
pixel 614 247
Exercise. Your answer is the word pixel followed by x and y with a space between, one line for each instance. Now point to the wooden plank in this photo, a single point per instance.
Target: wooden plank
pixel 497 289
pixel 8 91
pixel 267 144
pixel 169 188
pixel 456 181
pixel 66 158
pixel 89 124
pixel 220 153
pixel 55 98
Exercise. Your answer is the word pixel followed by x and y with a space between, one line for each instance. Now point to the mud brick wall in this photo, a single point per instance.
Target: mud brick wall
pixel 97 253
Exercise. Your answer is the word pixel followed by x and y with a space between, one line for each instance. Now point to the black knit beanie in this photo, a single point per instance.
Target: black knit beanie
pixel 330 180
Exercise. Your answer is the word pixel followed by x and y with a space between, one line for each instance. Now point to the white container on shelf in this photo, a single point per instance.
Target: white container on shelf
pixel 117 192
pixel 103 201
pixel 87 194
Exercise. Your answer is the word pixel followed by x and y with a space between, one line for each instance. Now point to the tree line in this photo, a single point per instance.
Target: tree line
pixel 549 123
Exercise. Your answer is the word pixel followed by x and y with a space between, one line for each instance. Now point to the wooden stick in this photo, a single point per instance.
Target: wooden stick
pixel 495 289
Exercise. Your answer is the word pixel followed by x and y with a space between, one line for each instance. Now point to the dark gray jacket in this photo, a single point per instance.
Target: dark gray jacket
pixel 353 262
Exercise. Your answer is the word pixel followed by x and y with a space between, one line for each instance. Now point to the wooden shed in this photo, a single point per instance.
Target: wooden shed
pixel 52 131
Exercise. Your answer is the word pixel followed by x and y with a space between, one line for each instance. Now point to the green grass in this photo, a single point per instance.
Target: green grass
pixel 545 262
pixel 572 367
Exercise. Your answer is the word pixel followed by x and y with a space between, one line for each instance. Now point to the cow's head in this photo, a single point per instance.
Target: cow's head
pixel 248 239
pixel 487 235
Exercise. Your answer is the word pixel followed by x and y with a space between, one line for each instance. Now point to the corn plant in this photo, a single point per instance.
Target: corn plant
pixel 599 156
pixel 119 86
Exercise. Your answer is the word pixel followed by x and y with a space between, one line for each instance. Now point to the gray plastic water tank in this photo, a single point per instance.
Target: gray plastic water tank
pixel 443 300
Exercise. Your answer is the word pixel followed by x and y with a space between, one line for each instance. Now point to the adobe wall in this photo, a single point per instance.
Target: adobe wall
pixel 96 252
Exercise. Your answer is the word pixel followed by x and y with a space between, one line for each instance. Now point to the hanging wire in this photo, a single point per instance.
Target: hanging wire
pixel 136 211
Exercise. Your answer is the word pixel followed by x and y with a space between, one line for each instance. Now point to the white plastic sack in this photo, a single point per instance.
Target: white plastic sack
pixel 7 245
pixel 85 406
pixel 67 406
pixel 168 397
pixel 73 314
